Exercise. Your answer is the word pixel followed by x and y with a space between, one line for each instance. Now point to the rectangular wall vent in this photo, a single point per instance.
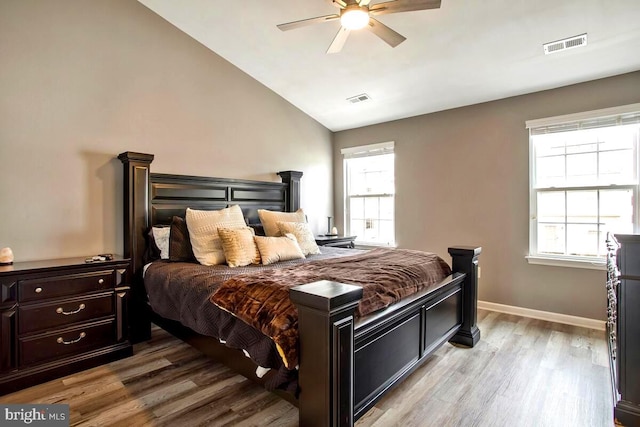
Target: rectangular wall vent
pixel 359 98
pixel 568 43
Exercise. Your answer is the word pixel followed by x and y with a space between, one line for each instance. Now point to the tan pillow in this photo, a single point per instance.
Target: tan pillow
pixel 269 220
pixel 239 247
pixel 274 249
pixel 203 232
pixel 303 234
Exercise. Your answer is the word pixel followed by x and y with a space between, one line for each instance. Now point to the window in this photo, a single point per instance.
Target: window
pixel 369 194
pixel 583 184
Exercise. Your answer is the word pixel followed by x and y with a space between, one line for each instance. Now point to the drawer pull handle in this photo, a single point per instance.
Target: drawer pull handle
pixel 61 341
pixel 101 281
pixel 81 307
pixel 38 290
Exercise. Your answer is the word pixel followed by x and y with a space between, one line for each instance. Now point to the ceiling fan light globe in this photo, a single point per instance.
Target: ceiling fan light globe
pixel 354 19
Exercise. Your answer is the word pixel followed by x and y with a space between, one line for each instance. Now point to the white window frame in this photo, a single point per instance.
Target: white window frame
pixel 615 115
pixel 378 149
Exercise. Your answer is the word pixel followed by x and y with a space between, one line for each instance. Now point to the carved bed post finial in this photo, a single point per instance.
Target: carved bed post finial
pixel 465 260
pixel 292 199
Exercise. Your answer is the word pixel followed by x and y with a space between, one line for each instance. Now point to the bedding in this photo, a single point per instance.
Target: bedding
pixel 303 234
pixel 239 247
pixel 203 297
pixel 275 249
pixel 161 238
pixel 261 299
pixel 203 232
pixel 269 220
pixel 179 243
pixel 180 291
pixel 151 251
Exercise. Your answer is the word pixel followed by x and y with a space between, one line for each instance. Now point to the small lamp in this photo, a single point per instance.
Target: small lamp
pixel 6 256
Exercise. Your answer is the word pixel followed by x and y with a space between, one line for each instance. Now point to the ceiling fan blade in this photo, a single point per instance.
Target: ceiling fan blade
pixel 338 41
pixel 403 6
pixel 339 3
pixel 304 22
pixel 363 2
pixel 392 38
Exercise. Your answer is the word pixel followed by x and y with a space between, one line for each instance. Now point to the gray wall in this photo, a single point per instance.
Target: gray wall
pixel 462 178
pixel 82 81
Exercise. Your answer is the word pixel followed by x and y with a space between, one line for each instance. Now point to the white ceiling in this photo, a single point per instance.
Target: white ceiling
pixel 466 52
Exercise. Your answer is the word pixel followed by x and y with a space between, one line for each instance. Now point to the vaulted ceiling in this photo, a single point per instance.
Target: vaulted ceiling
pixel 463 53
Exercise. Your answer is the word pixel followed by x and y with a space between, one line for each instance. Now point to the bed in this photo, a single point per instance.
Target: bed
pixel 345 363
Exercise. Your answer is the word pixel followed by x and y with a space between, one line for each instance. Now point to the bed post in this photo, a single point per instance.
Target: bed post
pixel 292 195
pixel 136 220
pixel 465 260
pixel 326 377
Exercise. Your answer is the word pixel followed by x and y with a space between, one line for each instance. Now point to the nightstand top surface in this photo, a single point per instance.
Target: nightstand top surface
pixel 323 237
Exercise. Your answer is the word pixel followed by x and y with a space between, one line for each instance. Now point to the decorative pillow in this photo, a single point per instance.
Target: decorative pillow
pixel 274 249
pixel 161 238
pixel 303 234
pixel 203 232
pixel 269 220
pixel 151 250
pixel 239 247
pixel 179 244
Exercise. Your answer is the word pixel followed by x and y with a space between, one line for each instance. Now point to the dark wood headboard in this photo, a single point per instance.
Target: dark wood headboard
pixel 152 198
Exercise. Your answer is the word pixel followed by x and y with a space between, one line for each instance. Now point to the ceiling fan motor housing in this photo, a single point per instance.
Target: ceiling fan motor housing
pixel 354 17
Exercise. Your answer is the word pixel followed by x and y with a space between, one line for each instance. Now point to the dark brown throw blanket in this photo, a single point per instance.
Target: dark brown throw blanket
pixel 386 275
pixel 181 291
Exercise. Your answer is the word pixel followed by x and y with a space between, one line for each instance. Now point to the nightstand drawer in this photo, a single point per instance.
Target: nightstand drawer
pixel 59 286
pixel 68 342
pixel 37 317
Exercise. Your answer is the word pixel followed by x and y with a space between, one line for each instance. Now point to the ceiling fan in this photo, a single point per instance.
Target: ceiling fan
pixel 356 14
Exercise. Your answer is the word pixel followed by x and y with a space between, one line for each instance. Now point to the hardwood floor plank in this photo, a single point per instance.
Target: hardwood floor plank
pixel 523 372
pixel 184 403
pixel 281 413
pixel 115 415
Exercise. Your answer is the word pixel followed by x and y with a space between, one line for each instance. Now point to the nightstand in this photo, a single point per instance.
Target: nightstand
pixel 336 241
pixel 61 316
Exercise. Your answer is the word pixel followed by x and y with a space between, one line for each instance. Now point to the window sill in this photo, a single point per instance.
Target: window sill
pixel 567 262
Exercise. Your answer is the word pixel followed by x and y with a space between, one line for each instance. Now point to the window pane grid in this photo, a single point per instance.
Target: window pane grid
pixel 369 198
pixel 586 157
pixel 584 182
pixel 574 223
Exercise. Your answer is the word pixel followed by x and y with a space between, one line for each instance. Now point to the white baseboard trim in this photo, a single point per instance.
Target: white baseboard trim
pixel 584 322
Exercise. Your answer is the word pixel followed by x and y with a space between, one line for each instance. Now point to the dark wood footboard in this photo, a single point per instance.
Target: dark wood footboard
pixel 346 366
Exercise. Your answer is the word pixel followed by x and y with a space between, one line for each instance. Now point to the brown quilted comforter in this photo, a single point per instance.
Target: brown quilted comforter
pixel 261 299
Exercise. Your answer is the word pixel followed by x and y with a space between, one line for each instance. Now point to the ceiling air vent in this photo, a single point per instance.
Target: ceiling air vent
pixel 359 98
pixel 569 43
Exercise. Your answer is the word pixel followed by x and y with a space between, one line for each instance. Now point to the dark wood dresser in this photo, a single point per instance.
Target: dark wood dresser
pixel 61 316
pixel 623 325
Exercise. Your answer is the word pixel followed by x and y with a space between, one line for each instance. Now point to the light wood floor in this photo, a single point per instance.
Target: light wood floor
pixel 523 372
